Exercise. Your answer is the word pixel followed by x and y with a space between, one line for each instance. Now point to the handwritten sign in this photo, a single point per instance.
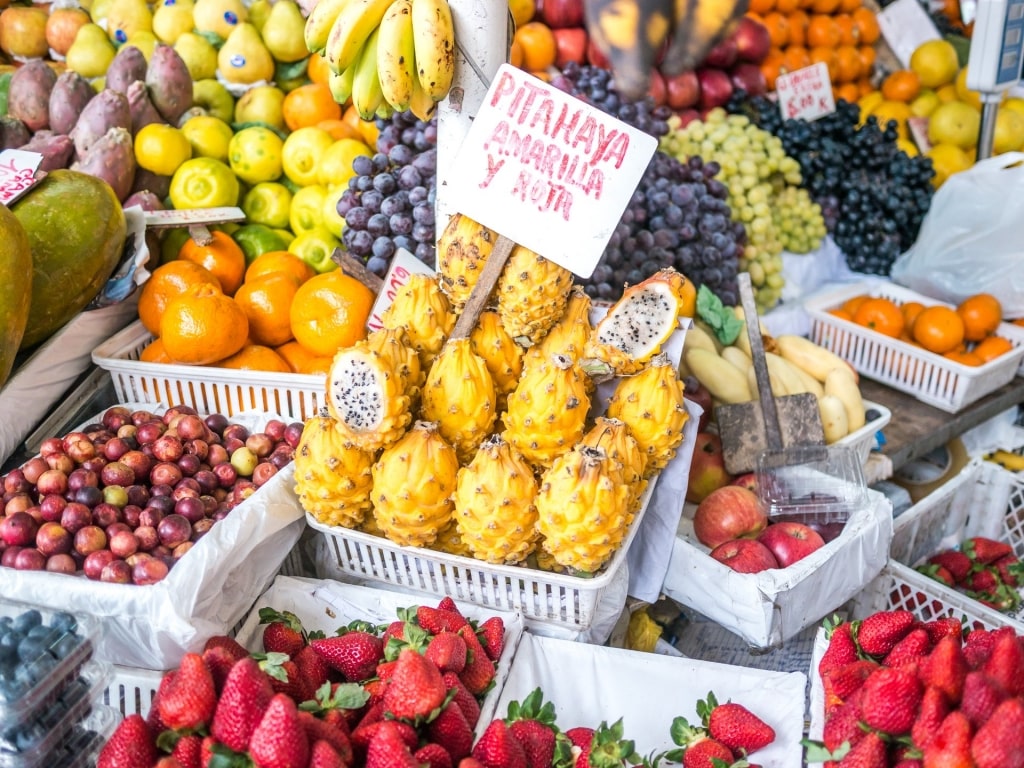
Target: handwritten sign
pixel 403 266
pixel 547 170
pixel 193 216
pixel 17 173
pixel 806 94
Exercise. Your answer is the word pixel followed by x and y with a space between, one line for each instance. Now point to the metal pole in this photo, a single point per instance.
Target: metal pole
pixel 986 135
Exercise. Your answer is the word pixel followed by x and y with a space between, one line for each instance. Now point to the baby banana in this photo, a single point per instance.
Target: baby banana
pixel 421 105
pixel 366 92
pixel 351 30
pixel 395 55
pixel 340 84
pixel 434 46
pixel 319 23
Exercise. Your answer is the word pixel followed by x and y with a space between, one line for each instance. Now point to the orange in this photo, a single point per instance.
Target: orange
pixel 787 6
pixel 846 92
pixel 795 57
pixel 867 25
pixel 295 355
pixel 822 32
pixel 255 357
pixel 982 313
pixel 849 6
pixel 910 312
pixel 902 85
pixel 308 105
pixel 154 352
pixel 842 314
pixel 538 43
pixel 939 329
pixel 329 312
pixel 778 28
pixel 992 347
pixel 202 326
pixel 867 58
pixel 772 67
pixel 222 256
pixel 824 6
pixel 339 129
pixel 827 55
pixel 864 85
pixel 165 283
pixel 848 70
pixel 267 301
pixel 279 261
pixel 963 357
pixel 880 315
pixel 515 54
pixel 317 70
pixel 798 21
pixel 852 303
pixel 761 7
pixel 848 32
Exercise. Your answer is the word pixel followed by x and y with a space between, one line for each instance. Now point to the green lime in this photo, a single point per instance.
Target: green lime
pixel 255 239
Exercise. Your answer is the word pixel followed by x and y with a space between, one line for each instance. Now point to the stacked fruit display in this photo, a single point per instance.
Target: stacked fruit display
pixel 898 691
pixel 984 569
pixel 123 499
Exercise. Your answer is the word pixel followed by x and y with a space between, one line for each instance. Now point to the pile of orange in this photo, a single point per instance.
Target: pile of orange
pixel 966 334
pixel 207 308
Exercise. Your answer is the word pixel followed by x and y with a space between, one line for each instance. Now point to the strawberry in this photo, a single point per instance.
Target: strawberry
pixel 246 695
pixel 734 725
pixel 981 696
pixel 705 752
pixel 581 736
pixel 284 676
pixel 153 718
pixel 1002 598
pixel 167 761
pixel 999 742
pixel 447 651
pixel 877 634
pixel 470 762
pixel 945 668
pixel 447 604
pixel 1005 664
pixel 532 722
pixel 312 667
pixel 938 572
pixel 982 580
pixel 479 671
pixel 951 747
pixel 911 649
pixel 908 762
pixel 467 701
pixel 323 755
pixel 229 644
pixel 841 648
pixel 955 562
pixel 946 625
pixel 839 682
pixel 416 688
pixel 869 752
pixel 891 699
pixel 386 669
pixel 934 708
pixel 353 654
pixel 190 699
pixel 388 748
pixel 492 636
pixel 985 551
pixel 365 728
pixel 279 740
pixel 498 748
pixel 207 750
pixel 338 704
pixel 187 751
pixel 219 661
pixel 451 730
pixel 320 730
pixel 132 745
pixel 1011 570
pixel 433 756
pixel 843 724
pixel 437 620
pixel 978 647
pixel 395 629
pixel 283 633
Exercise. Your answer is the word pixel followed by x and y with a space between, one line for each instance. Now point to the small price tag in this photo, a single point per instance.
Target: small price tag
pixel 806 94
pixel 403 266
pixel 547 170
pixel 905 24
pixel 17 173
pixel 192 217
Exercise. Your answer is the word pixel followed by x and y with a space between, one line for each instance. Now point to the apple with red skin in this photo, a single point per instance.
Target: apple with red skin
pixel 747 480
pixel 683 90
pixel 723 55
pixel 729 513
pixel 657 89
pixel 748 77
pixel 570 45
pixel 790 541
pixel 707 467
pixel 745 556
pixel 559 14
pixel 595 56
pixel 715 88
pixel 752 40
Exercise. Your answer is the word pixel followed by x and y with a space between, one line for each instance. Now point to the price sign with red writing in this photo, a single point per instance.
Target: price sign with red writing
pixel 403 266
pixel 806 94
pixel 547 170
pixel 17 173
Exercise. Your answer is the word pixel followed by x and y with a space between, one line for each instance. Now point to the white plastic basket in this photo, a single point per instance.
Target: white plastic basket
pixel 131 690
pixel 555 598
pixel 930 378
pixel 862 440
pixel 207 389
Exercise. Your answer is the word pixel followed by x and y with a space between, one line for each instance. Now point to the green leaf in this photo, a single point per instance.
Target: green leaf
pixel 815 751
pixel 236 127
pixel 721 319
pixel 292 70
pixel 213 38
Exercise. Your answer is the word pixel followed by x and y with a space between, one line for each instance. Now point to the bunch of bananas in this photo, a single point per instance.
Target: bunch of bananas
pixel 386 55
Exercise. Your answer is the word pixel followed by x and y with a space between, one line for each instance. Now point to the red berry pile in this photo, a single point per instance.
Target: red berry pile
pixel 984 569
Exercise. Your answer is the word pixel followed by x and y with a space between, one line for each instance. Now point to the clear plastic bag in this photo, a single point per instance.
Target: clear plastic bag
pixel 970 241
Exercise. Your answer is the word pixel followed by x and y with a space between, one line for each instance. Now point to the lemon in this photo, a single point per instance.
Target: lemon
pixel 315 246
pixel 1009 132
pixel 893 111
pixel 935 63
pixel 330 217
pixel 947 159
pixel 335 168
pixel 171 20
pixel 203 182
pixel 161 148
pixel 965 94
pixel 268 203
pixel 307 209
pixel 954 123
pixel 1013 104
pixel 209 136
pixel 255 154
pixel 926 103
pixel 303 152
pixel 286 235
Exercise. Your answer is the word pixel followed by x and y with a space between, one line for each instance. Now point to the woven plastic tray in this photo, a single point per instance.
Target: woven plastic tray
pixel 930 378
pixel 207 389
pixel 862 440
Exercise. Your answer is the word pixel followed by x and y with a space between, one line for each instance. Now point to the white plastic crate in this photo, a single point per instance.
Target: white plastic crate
pixel 131 691
pixel 207 389
pixel 931 378
pixel 862 440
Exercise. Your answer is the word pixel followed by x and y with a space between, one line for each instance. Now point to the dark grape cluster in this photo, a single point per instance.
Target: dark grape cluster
pixel 872 194
pixel 595 86
pixel 678 217
pixel 389 203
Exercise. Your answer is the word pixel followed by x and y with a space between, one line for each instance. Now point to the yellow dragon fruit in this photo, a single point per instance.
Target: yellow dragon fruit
pixel 582 512
pixel 449 541
pixel 624 455
pixel 651 403
pixel 459 396
pixel 424 310
pixel 394 345
pixel 532 294
pixel 570 334
pixel 639 323
pixel 494 508
pixel 462 251
pixel 547 411
pixel 413 481
pixel 332 478
pixel 500 353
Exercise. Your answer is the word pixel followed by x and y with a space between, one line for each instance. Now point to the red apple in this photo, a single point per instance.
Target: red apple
pixel 747 76
pixel 790 541
pixel 570 45
pixel 745 556
pixel 595 56
pixel 559 14
pixel 657 89
pixel 683 89
pixel 715 88
pixel 707 468
pixel 728 513
pixel 747 480
pixel 752 40
pixel 723 55
pixel 687 116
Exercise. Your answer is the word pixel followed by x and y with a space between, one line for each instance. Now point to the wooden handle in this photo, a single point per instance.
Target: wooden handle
pixel 482 289
pixel 772 431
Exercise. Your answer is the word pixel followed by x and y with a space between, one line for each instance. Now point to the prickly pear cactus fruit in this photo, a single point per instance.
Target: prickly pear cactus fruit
pixel 462 251
pixel 332 477
pixel 368 395
pixel 500 353
pixel 532 294
pixel 424 310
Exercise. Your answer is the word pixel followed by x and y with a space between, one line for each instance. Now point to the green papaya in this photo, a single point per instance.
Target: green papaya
pixel 77 229
pixel 15 288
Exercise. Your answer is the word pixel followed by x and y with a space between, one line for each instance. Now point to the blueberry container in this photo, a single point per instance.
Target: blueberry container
pixel 82 745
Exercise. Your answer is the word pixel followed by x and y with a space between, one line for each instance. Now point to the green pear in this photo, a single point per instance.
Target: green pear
pixel 198 54
pixel 218 16
pixel 91 53
pixel 244 58
pixel 171 20
pixel 262 104
pixel 283 33
pixel 213 99
pixel 126 17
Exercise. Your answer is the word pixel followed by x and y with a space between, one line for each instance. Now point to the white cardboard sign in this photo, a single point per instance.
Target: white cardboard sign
pixel 806 94
pixel 17 173
pixel 905 25
pixel 547 170
pixel 403 266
